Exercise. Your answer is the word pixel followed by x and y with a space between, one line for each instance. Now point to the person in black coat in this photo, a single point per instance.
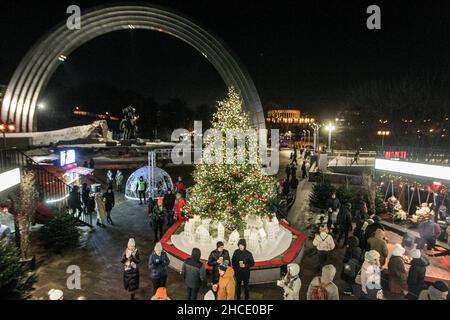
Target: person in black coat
pixel 158 264
pixel 194 274
pixel 110 202
pixel 371 228
pixel 304 173
pixel 344 222
pixel 130 259
pixel 158 217
pixel 333 205
pixel 168 202
pixel 75 201
pixel 216 258
pixel 416 275
pixel 242 261
pixel 352 264
pixel 85 197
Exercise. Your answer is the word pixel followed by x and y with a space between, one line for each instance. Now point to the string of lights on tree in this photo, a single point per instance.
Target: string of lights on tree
pixel 228 192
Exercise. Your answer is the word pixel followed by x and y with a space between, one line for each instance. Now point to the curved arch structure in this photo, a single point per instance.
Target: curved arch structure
pixel 36 68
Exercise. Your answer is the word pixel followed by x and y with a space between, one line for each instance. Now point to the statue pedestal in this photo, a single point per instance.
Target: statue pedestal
pixel 288 248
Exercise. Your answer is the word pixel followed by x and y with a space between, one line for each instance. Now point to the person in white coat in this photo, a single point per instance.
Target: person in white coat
pixel 325 281
pixel 291 283
pixel 370 276
pixel 324 243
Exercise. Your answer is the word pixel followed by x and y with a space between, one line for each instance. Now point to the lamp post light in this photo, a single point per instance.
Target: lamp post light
pixel 383 133
pixel 309 136
pixel 316 128
pixel 330 127
pixel 6 127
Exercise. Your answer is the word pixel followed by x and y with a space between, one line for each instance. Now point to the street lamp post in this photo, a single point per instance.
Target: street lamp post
pixel 383 133
pixel 316 128
pixel 330 128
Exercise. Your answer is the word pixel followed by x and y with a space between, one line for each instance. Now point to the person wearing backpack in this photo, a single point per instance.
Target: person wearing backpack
pixel 352 265
pixel 429 231
pixel 344 222
pixel 324 243
pixel 323 287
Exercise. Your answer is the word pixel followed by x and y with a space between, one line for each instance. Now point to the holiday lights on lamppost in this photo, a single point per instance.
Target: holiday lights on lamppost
pixel 330 127
pixel 383 133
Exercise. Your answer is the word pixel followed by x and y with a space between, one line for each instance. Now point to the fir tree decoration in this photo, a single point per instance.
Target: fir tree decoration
pixel 226 191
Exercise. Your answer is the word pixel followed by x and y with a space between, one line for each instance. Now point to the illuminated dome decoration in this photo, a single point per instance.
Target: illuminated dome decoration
pixel 162 182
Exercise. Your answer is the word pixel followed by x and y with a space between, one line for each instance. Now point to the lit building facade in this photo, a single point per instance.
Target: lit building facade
pixel 288 117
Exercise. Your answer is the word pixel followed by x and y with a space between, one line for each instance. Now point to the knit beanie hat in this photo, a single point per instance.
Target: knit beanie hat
pixel 415 254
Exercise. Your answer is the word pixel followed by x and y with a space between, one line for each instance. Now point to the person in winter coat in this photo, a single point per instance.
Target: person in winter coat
pixel 436 291
pixel 324 281
pixel 287 170
pixel 362 213
pixel 158 264
pixel 429 231
pixel 378 243
pixel 291 283
pixel 226 288
pixel 168 202
pixel 158 217
pixel 242 261
pixel 119 180
pixel 374 226
pixel 100 208
pixel 370 276
pixel 178 206
pixel 344 222
pixel 352 265
pixel 130 260
pixel 194 274
pixel 333 207
pixel 109 178
pixel 110 202
pixel 324 243
pixel 293 184
pixel 304 173
pixel 397 271
pixel 141 188
pixel 75 201
pixel 416 274
pixel 216 258
pixel 85 197
pixel 180 187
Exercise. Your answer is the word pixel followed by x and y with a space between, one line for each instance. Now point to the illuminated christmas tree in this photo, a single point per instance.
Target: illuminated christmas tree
pixel 224 190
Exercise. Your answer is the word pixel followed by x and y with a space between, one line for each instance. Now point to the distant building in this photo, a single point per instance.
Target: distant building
pixel 286 117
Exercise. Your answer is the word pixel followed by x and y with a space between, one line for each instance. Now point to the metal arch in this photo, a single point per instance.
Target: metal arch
pixel 40 62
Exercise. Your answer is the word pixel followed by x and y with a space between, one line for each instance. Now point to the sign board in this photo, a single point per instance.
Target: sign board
pixel 9 179
pixel 67 157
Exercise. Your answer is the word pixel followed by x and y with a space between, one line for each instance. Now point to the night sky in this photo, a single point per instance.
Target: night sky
pixel 304 54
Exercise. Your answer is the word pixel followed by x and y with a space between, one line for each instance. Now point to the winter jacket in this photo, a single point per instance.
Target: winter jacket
pixel 194 273
pixel 326 279
pixel 323 242
pixel 416 276
pixel 377 243
pixel 109 200
pixel 431 294
pixel 180 186
pixel 131 275
pixel 74 199
pixel 292 283
pixel 397 274
pixel 100 206
pixel 177 209
pixel 158 265
pixel 372 228
pixel 370 277
pixel 344 219
pixel 212 262
pixel 334 204
pixel 168 201
pixel 245 256
pixel 227 286
pixel 353 259
pixel 429 230
pixel 157 216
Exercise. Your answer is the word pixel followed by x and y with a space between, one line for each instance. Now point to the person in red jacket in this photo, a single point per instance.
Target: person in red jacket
pixel 178 205
pixel 179 185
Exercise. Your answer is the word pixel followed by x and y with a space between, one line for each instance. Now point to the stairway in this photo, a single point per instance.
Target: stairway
pixel 53 191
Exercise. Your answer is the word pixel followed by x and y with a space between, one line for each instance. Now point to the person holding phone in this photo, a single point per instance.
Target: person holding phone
pixel 242 261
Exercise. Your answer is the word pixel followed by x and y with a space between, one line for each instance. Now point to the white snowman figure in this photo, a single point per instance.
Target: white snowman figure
pixel 189 231
pixel 253 242
pixel 220 232
pixel 202 234
pixel 234 238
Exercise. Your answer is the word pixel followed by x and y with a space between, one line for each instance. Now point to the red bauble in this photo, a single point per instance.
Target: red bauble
pixel 242 213
pixel 189 209
pixel 256 196
pixel 247 199
pixel 230 206
pixel 263 199
pixel 212 200
pixel 237 171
